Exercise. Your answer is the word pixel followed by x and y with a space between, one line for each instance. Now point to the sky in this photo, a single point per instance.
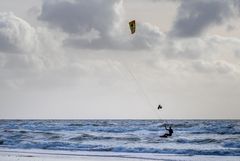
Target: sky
pixel 76 59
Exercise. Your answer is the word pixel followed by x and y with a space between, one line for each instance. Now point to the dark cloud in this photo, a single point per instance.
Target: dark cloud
pixel 166 0
pixel 102 20
pixel 236 4
pixel 6 45
pixel 78 17
pixel 194 17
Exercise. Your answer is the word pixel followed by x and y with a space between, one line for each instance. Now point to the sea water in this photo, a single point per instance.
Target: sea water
pixel 190 137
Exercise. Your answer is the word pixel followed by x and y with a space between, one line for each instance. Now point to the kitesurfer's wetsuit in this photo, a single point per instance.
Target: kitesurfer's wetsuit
pixel 170 132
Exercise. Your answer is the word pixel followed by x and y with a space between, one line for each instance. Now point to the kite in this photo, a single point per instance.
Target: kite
pixel 132 26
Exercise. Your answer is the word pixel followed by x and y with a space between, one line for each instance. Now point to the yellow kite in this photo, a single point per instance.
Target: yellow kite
pixel 132 25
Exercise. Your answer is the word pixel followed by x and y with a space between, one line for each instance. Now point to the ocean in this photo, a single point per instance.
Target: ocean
pixel 190 137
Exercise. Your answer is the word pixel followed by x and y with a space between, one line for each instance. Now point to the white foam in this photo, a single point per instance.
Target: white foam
pixel 50 155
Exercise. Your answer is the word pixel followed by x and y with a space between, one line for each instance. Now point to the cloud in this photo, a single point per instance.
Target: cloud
pixel 16 35
pixel 194 17
pixel 26 51
pixel 78 17
pixel 237 53
pixel 58 73
pixel 193 48
pixel 148 37
pixel 166 0
pixel 219 67
pixel 97 24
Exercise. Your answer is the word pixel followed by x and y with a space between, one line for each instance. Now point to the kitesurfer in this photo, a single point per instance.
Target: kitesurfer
pixel 159 107
pixel 170 132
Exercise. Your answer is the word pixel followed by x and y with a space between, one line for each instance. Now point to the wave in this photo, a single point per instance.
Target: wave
pixel 84 137
pixel 89 147
pixel 178 151
pixel 190 137
pixel 198 141
pixel 232 144
pixel 220 132
pixel 76 125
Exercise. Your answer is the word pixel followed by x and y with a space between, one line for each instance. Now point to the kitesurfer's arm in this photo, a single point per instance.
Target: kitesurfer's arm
pixel 166 127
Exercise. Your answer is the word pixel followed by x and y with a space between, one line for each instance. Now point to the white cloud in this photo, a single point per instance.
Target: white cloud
pixel 237 53
pixel 217 67
pixel 16 35
pixel 25 51
pixel 193 48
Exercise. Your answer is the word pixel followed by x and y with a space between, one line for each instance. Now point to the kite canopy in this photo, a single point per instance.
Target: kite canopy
pixel 132 26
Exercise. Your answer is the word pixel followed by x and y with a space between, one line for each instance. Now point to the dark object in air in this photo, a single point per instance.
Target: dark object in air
pixel 170 132
pixel 159 107
pixel 132 26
